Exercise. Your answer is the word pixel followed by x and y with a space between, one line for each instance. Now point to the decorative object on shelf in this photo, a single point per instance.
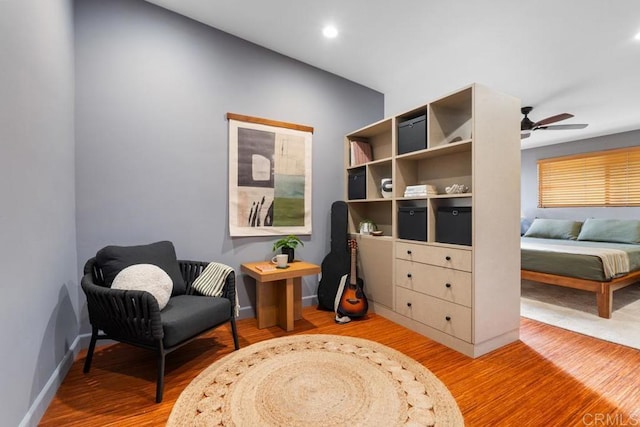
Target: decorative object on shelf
pixel 456 189
pixel 287 245
pixel 269 177
pixel 377 233
pixel 361 152
pixel 366 226
pixel 386 187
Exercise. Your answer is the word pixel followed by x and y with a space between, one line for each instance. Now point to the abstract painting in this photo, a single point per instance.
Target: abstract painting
pixel 269 177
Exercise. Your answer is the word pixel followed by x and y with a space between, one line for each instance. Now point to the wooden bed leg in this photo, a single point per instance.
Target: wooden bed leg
pixel 605 301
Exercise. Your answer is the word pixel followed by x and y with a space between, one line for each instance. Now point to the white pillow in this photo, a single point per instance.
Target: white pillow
pixel 145 277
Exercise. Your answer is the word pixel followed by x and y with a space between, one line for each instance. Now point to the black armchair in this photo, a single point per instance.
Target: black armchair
pixel 134 316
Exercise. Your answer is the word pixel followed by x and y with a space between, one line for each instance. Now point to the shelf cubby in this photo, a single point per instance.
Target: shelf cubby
pixel 451 119
pixel 376 172
pixel 379 135
pixel 440 171
pixel 379 211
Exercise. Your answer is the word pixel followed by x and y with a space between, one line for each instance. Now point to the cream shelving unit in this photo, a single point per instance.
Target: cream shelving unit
pixel 465 297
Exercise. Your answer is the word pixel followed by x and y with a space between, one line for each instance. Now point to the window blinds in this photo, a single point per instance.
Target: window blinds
pixel 605 178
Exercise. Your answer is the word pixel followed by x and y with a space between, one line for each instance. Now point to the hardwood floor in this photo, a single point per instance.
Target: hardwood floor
pixel 551 377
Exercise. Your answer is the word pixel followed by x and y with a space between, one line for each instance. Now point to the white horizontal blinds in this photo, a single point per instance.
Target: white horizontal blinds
pixel 605 178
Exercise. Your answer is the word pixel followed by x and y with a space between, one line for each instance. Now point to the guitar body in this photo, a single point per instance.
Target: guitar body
pixel 336 263
pixel 353 301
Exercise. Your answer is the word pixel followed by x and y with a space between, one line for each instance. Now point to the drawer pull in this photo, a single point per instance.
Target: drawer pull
pixel 408 252
pixel 448 318
pixel 448 285
pixel 408 304
pixel 448 258
pixel 409 275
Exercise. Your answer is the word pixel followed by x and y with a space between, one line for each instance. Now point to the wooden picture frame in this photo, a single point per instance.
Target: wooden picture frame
pixel 269 177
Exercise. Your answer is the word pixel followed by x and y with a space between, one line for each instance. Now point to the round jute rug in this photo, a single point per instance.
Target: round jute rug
pixel 316 380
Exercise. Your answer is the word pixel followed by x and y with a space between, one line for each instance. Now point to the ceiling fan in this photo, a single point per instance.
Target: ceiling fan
pixel 527 126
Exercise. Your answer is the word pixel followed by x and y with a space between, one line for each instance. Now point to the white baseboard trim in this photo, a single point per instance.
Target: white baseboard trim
pixel 44 398
pixel 42 401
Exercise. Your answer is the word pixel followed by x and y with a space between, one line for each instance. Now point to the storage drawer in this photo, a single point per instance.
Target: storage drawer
pixel 450 318
pixel 460 259
pixel 444 283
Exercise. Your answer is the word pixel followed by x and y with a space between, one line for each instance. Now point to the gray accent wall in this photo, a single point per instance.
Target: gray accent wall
pixel 529 183
pixel 40 303
pixel 152 92
pixel 113 131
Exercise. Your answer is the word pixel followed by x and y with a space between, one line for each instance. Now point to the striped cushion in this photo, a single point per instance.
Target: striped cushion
pixel 211 281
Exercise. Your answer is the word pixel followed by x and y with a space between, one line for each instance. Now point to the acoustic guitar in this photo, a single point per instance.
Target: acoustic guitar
pixel 353 302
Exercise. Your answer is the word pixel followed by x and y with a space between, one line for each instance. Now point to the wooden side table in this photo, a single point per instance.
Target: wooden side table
pixel 279 292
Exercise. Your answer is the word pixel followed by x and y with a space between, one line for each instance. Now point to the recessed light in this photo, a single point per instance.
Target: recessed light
pixel 637 37
pixel 330 32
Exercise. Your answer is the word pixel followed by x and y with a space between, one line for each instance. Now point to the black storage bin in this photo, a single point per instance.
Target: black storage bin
pixel 357 185
pixel 412 223
pixel 454 225
pixel 412 135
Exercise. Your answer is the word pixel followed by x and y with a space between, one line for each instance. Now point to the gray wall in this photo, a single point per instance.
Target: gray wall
pixel 40 300
pixel 530 177
pixel 152 91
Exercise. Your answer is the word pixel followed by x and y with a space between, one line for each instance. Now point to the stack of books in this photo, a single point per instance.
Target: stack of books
pixel 422 190
pixel 361 152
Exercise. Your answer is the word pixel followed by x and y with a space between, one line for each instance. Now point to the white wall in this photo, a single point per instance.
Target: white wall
pixel 39 307
pixel 529 181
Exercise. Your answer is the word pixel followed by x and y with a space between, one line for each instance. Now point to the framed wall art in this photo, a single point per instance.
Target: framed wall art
pixel 269 177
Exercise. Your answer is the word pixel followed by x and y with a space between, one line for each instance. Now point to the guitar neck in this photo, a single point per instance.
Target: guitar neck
pixel 352 276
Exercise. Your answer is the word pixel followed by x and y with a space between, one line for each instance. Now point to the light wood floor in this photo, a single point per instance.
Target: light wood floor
pixel 552 377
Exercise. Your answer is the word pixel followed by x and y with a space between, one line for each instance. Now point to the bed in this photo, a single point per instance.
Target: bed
pixel 599 256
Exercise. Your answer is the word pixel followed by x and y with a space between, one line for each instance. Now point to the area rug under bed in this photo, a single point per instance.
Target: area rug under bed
pixel 316 380
pixel 576 310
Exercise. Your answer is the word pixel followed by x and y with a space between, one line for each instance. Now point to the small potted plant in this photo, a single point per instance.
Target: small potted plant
pixel 288 245
pixel 367 226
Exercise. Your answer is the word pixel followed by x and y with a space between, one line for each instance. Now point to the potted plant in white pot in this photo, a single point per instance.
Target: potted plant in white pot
pixel 288 245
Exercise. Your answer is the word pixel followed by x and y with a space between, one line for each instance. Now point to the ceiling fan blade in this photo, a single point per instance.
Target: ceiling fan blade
pixel 553 119
pixel 565 127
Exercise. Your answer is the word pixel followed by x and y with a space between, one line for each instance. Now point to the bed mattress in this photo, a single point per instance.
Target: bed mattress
pixel 574 265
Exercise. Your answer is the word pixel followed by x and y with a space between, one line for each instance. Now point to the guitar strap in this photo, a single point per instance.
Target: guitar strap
pixel 341 319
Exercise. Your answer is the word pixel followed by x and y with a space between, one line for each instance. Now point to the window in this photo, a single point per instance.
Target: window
pixel 605 178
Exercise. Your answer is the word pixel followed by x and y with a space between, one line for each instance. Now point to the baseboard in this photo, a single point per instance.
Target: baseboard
pixel 46 395
pixel 42 401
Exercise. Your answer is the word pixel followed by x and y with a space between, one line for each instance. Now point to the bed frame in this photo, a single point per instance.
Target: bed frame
pixel 603 290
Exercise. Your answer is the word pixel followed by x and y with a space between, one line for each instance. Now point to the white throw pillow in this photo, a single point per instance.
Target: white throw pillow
pixel 145 277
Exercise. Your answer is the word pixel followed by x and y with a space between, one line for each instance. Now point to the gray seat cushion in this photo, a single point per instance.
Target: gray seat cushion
pixel 186 316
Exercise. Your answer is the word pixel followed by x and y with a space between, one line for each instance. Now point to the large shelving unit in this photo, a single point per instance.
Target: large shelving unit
pixel 464 296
